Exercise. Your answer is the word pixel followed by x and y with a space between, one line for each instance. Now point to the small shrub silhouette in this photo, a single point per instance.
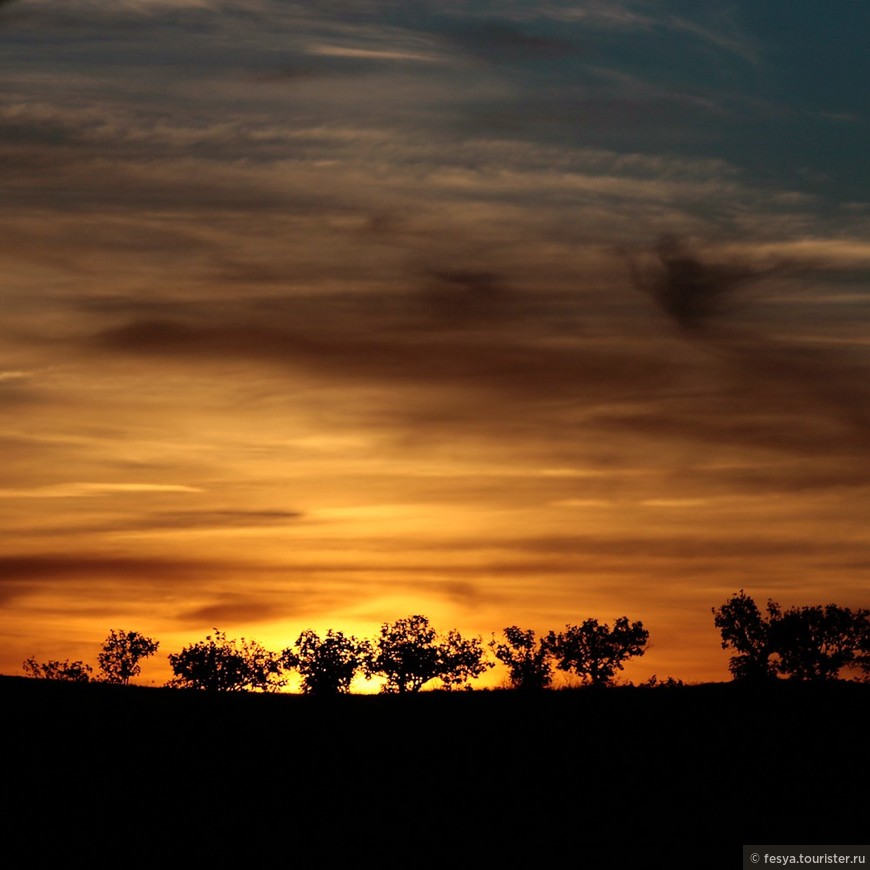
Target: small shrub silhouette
pixel 71 672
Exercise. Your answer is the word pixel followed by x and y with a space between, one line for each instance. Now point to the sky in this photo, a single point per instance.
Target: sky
pixel 322 314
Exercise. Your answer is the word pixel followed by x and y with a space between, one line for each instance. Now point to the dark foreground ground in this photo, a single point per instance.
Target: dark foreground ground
pixel 94 765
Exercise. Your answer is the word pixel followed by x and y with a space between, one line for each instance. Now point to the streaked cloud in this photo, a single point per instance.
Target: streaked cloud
pixel 372 53
pixel 79 490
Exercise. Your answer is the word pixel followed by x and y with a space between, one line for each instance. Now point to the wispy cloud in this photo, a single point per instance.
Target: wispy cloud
pixel 372 53
pixel 85 490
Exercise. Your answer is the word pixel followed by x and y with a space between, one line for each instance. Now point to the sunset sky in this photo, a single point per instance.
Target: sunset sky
pixel 320 314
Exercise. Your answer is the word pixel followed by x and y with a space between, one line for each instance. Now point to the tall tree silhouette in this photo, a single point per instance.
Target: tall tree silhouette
pixel 745 630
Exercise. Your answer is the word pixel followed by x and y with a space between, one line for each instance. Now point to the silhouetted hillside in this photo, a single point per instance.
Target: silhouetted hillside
pixel 595 766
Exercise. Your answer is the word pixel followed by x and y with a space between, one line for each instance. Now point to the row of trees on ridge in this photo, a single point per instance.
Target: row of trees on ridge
pixel 406 655
pixel 806 643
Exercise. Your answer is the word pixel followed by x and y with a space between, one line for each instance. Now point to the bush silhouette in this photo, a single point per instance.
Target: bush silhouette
pixel 654 682
pixel 71 672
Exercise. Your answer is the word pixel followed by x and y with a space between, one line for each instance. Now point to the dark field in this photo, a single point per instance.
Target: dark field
pixel 610 767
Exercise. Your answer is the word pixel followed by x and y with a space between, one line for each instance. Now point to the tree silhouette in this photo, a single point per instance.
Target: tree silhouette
pixel 745 630
pixel 462 659
pixel 221 665
pixel 816 643
pixel 327 665
pixel 862 660
pixel 528 660
pixel 71 672
pixel 410 653
pixel 121 653
pixel 802 643
pixel 595 652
